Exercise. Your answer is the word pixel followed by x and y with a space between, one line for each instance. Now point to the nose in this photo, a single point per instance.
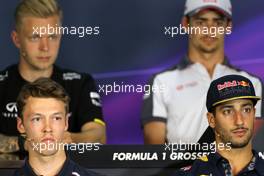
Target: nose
pixel 44 44
pixel 210 25
pixel 47 126
pixel 239 119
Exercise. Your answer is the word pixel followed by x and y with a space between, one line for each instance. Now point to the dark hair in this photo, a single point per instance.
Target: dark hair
pixel 41 88
pixel 213 110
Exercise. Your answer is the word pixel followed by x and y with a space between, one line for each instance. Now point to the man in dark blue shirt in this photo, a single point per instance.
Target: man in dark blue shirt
pixel 43 114
pixel 231 104
pixel 69 168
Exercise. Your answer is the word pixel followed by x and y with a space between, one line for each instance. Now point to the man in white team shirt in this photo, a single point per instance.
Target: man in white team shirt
pixel 178 113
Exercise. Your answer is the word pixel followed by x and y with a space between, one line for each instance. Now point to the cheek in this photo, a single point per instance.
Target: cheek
pixel 33 130
pixel 223 123
pixel 221 37
pixel 54 46
pixel 59 132
pixel 35 127
pixel 59 126
pixel 31 48
pixel 250 122
pixel 194 38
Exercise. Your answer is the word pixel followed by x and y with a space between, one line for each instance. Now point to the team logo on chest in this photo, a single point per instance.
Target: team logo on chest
pixel 10 110
pixel 186 85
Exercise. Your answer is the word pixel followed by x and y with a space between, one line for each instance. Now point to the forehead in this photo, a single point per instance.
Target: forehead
pixel 208 14
pixel 43 106
pixel 237 102
pixel 28 22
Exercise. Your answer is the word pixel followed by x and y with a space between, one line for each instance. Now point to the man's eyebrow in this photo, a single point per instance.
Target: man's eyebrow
pixel 58 113
pixel 35 34
pixel 206 19
pixel 247 104
pixel 225 106
pixel 201 18
pixel 231 106
pixel 35 114
pixel 219 18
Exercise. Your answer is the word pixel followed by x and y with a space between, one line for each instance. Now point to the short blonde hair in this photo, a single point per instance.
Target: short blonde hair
pixel 36 8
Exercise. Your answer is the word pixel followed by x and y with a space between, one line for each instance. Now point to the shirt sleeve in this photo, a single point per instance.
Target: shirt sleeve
pixel 154 107
pixel 90 107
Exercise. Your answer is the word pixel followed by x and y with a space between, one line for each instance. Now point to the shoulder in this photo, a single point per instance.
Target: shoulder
pixel 72 81
pixel 200 166
pixel 169 74
pixel 200 163
pixel 259 161
pixel 254 78
pixel 18 172
pixel 78 170
pixel 8 72
pixel 184 171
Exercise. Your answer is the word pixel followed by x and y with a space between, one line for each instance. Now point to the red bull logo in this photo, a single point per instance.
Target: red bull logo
pixel 232 84
pixel 243 83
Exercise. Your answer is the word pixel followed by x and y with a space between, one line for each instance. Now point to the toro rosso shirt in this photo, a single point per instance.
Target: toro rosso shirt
pixel 69 168
pixel 85 105
pixel 182 102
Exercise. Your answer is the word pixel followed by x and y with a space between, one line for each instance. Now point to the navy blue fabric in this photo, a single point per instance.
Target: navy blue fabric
pixel 216 165
pixel 69 168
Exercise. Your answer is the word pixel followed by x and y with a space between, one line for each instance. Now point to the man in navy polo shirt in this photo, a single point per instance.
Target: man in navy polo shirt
pixel 43 109
pixel 231 104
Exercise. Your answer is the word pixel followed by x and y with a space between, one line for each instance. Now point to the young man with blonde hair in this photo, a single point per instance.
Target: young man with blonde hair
pixel 38 53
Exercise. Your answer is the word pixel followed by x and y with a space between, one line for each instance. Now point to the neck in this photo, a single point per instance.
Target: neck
pixel 238 158
pixel 208 60
pixel 30 74
pixel 47 165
